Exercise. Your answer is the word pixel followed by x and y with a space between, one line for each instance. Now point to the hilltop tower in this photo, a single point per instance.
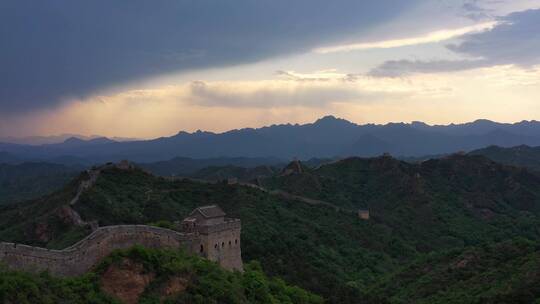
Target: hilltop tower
pixel 219 236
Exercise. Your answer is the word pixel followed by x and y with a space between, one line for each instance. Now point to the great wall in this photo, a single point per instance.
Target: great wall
pixel 215 237
pixel 206 232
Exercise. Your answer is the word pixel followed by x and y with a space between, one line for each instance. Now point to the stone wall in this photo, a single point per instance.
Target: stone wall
pixel 85 254
pixel 221 243
pixel 82 256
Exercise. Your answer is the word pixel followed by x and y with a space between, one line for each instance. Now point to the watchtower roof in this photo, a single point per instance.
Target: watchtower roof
pixel 208 212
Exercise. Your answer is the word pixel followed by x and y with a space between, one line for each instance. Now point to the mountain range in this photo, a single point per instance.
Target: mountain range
pixel 53 139
pixel 325 138
pixel 20 180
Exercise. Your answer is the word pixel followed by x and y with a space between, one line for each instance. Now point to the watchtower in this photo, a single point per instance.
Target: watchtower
pixel 219 236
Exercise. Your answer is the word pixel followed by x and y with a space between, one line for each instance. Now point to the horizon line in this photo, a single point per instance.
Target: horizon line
pixel 129 138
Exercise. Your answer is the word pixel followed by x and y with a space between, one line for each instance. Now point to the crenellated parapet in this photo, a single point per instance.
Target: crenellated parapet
pixel 85 254
pixel 228 224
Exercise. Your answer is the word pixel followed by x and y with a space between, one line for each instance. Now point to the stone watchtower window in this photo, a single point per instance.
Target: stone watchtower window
pixel 202 249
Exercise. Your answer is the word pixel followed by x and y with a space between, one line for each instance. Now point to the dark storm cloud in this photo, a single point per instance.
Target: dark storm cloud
pixel 515 40
pixel 69 48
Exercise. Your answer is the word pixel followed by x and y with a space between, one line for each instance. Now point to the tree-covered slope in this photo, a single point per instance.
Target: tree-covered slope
pixel 184 166
pixel 220 173
pixel 140 275
pixel 521 156
pixel 317 247
pixel 456 203
pixel 505 272
pixel 29 180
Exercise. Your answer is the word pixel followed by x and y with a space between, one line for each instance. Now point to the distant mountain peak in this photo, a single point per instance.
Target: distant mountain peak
pixel 332 120
pixel 196 133
pixel 328 118
pixel 483 121
pixel 417 123
pixel 73 139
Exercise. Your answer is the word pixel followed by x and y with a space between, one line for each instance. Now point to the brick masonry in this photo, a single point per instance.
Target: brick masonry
pixel 82 256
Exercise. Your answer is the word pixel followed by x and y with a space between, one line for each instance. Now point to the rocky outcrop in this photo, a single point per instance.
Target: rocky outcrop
pixel 175 285
pixel 126 281
pixel 43 232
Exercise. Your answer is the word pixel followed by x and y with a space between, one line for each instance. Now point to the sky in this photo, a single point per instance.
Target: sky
pixel 145 69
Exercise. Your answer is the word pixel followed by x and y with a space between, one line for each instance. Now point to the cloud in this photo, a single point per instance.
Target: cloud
pixel 474 10
pixel 432 37
pixel 278 94
pixel 222 105
pixel 396 68
pixel 209 104
pixel 515 40
pixel 323 75
pixel 318 89
pixel 65 49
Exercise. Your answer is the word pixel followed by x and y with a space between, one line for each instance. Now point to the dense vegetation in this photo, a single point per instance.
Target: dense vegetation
pixel 521 156
pixel 184 166
pixel 220 173
pixel 428 214
pixel 31 180
pixel 506 272
pixel 202 281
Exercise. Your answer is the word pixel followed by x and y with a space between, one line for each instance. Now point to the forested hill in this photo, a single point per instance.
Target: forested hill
pixel 430 215
pixel 24 181
pixel 521 156
pixel 383 182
